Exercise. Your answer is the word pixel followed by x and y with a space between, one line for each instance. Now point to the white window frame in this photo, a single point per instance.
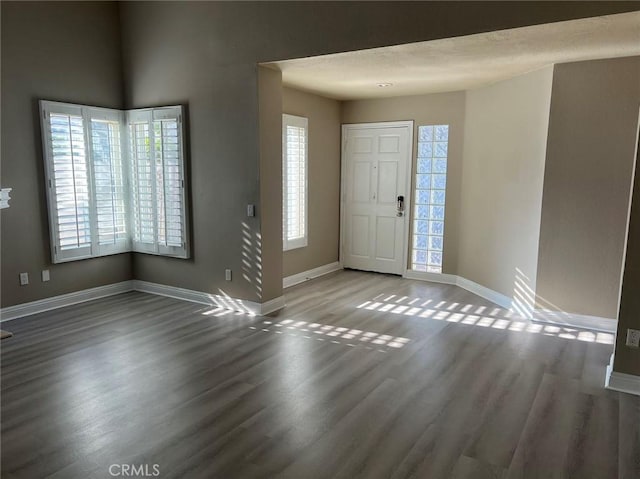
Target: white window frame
pixel 300 122
pixel 88 113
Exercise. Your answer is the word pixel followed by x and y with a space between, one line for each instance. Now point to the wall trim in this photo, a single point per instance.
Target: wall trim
pixel 60 301
pixel 464 283
pixel 217 300
pixel 47 304
pixel 484 292
pixel 431 277
pixel 622 382
pixel 557 318
pixel 272 305
pixel 562 318
pixel 310 274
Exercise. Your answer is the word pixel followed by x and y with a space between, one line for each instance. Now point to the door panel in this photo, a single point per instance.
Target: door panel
pixel 360 236
pixel 389 144
pixel 388 182
pixel 362 182
pixel 385 244
pixel 377 169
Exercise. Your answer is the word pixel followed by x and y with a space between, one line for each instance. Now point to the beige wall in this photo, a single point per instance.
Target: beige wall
pixel 504 156
pixel 64 52
pixel 627 360
pixel 204 54
pixel 592 132
pixel 324 180
pixel 267 240
pixel 436 109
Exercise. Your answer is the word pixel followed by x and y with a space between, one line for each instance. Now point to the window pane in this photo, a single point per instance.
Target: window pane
pixel 424 165
pixel 425 134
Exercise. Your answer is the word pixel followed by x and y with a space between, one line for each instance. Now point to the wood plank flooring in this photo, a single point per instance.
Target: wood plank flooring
pixel 361 376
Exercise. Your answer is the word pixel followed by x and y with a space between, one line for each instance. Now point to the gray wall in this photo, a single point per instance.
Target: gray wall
pixel 436 109
pixel 627 360
pixel 204 54
pixel 592 132
pixel 324 180
pixel 65 52
pixel 504 156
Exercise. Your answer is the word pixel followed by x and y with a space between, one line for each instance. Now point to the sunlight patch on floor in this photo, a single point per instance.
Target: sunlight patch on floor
pixel 480 316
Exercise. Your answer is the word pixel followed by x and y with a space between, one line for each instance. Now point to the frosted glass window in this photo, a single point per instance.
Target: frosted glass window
pixel 430 195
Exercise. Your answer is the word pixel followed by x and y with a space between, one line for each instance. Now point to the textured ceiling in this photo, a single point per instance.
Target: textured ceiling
pixel 462 63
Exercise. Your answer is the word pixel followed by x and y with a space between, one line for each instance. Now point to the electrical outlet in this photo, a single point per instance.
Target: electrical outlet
pixel 633 338
pixel 24 279
pixel 45 275
pixel 251 210
pixel 227 275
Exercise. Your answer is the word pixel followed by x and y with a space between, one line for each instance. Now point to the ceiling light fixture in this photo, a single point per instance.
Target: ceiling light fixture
pixel 383 85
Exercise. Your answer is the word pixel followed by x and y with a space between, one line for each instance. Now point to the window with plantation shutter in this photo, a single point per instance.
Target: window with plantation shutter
pixel 115 180
pixel 142 184
pixel 294 187
pixel 157 167
pixel 68 183
pixel 109 186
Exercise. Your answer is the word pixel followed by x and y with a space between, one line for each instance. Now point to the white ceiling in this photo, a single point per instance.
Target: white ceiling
pixel 462 63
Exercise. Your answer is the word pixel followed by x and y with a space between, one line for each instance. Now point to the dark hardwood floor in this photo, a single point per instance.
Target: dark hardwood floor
pixel 362 375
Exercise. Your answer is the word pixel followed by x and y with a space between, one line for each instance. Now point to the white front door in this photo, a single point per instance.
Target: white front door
pixel 376 166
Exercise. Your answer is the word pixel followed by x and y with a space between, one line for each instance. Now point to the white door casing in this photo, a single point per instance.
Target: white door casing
pixel 376 170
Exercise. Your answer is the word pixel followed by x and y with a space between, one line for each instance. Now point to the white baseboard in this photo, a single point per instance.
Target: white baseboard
pixel 484 292
pixel 561 318
pixel 217 300
pixel 311 274
pixel 431 277
pixel 55 302
pixel 464 283
pixel 221 301
pixel 626 383
pixel 558 318
pixel 272 305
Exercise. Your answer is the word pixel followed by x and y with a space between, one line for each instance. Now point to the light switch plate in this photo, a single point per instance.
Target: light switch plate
pixel 227 275
pixel 45 275
pixel 24 279
pixel 251 210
